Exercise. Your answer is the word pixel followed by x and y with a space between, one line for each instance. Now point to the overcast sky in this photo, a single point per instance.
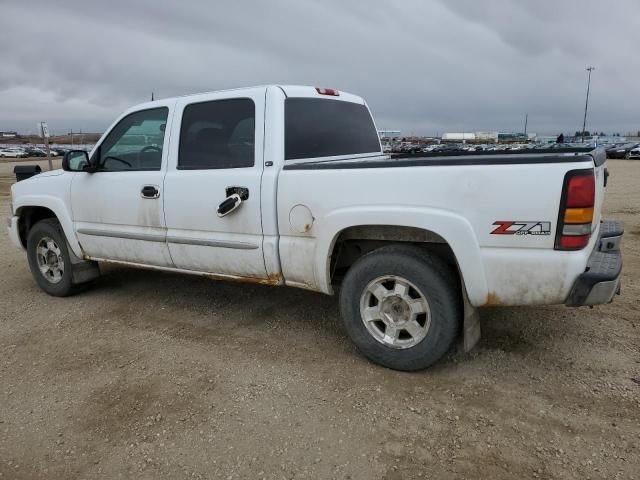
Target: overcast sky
pixel 424 67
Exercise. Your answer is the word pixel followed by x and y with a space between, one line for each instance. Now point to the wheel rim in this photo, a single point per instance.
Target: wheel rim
pixel 50 261
pixel 395 312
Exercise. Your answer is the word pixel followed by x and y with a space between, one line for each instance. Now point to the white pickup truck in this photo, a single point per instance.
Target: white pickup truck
pixel 288 185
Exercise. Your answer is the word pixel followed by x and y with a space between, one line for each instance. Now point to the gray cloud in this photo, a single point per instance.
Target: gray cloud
pixel 423 66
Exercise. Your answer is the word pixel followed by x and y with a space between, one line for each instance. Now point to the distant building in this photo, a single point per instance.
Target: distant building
pixel 458 136
pixel 512 137
pixel 8 134
pixel 487 136
pixel 546 138
pixel 388 134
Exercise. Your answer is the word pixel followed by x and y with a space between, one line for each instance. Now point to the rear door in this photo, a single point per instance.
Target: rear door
pixel 217 158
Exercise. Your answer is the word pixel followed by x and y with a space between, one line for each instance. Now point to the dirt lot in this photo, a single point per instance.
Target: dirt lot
pixel 154 375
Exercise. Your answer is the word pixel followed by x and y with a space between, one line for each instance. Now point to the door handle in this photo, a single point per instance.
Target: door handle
pixel 229 204
pixel 150 191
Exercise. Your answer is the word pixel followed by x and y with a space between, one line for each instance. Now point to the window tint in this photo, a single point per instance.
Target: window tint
pixel 316 127
pixel 217 134
pixel 135 143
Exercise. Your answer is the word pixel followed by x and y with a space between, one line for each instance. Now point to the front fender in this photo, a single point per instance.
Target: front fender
pixel 453 228
pixel 58 207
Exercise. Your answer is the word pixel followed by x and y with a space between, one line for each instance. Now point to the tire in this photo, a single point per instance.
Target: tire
pixel 627 156
pixel 384 341
pixel 47 234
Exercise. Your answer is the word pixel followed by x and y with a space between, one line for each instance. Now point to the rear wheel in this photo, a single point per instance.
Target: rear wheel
pixel 401 307
pixel 627 155
pixel 49 259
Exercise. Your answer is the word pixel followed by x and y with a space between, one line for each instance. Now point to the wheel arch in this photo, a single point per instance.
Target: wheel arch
pixel 445 232
pixel 30 212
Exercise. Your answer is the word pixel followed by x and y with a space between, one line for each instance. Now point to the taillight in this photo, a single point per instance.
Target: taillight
pixel 328 91
pixel 576 210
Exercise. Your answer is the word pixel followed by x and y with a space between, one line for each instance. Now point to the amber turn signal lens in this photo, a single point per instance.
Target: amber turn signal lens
pixel 578 215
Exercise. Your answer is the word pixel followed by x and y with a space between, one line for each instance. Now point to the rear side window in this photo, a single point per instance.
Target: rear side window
pixel 317 127
pixel 217 134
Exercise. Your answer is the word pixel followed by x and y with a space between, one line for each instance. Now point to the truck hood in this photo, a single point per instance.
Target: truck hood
pixel 52 183
pixel 52 173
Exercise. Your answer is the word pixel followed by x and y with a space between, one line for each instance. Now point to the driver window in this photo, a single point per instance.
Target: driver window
pixel 135 143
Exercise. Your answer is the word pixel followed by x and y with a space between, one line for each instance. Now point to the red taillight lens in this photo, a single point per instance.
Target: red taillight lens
pixel 328 91
pixel 581 191
pixel 576 210
pixel 574 242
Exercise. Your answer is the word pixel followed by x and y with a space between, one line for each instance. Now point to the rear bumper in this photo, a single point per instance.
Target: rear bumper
pixel 601 279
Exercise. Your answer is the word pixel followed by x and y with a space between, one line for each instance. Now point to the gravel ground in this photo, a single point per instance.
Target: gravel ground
pixel 154 375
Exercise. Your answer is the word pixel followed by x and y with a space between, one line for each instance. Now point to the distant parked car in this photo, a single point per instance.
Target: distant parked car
pixel 635 153
pixel 621 151
pixel 59 151
pixel 35 152
pixel 12 152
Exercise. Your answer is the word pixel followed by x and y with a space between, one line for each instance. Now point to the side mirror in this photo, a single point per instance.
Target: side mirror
pixel 75 161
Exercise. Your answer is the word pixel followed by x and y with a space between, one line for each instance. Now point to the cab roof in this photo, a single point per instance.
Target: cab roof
pixel 289 91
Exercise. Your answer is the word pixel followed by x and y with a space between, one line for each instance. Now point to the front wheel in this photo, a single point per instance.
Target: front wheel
pixel 401 306
pixel 48 257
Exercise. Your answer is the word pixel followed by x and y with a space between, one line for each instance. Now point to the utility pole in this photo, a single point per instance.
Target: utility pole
pixel 152 96
pixel 586 103
pixel 43 130
pixel 526 119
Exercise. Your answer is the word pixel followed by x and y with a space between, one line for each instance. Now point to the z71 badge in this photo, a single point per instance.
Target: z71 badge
pixel 519 227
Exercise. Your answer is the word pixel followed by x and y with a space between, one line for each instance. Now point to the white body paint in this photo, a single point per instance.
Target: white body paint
pixel 285 232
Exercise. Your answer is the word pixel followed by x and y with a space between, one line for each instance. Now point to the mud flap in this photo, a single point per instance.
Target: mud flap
pixel 82 270
pixel 471 324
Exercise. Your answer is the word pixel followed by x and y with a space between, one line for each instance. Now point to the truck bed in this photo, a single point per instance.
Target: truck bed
pixel 461 198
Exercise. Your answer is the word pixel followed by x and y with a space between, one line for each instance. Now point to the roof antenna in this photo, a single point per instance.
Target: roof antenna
pixel 152 96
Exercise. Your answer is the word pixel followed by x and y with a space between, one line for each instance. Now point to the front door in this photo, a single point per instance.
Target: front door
pixel 117 211
pixel 215 167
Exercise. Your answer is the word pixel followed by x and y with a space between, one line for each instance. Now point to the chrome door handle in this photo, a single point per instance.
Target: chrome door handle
pixel 229 204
